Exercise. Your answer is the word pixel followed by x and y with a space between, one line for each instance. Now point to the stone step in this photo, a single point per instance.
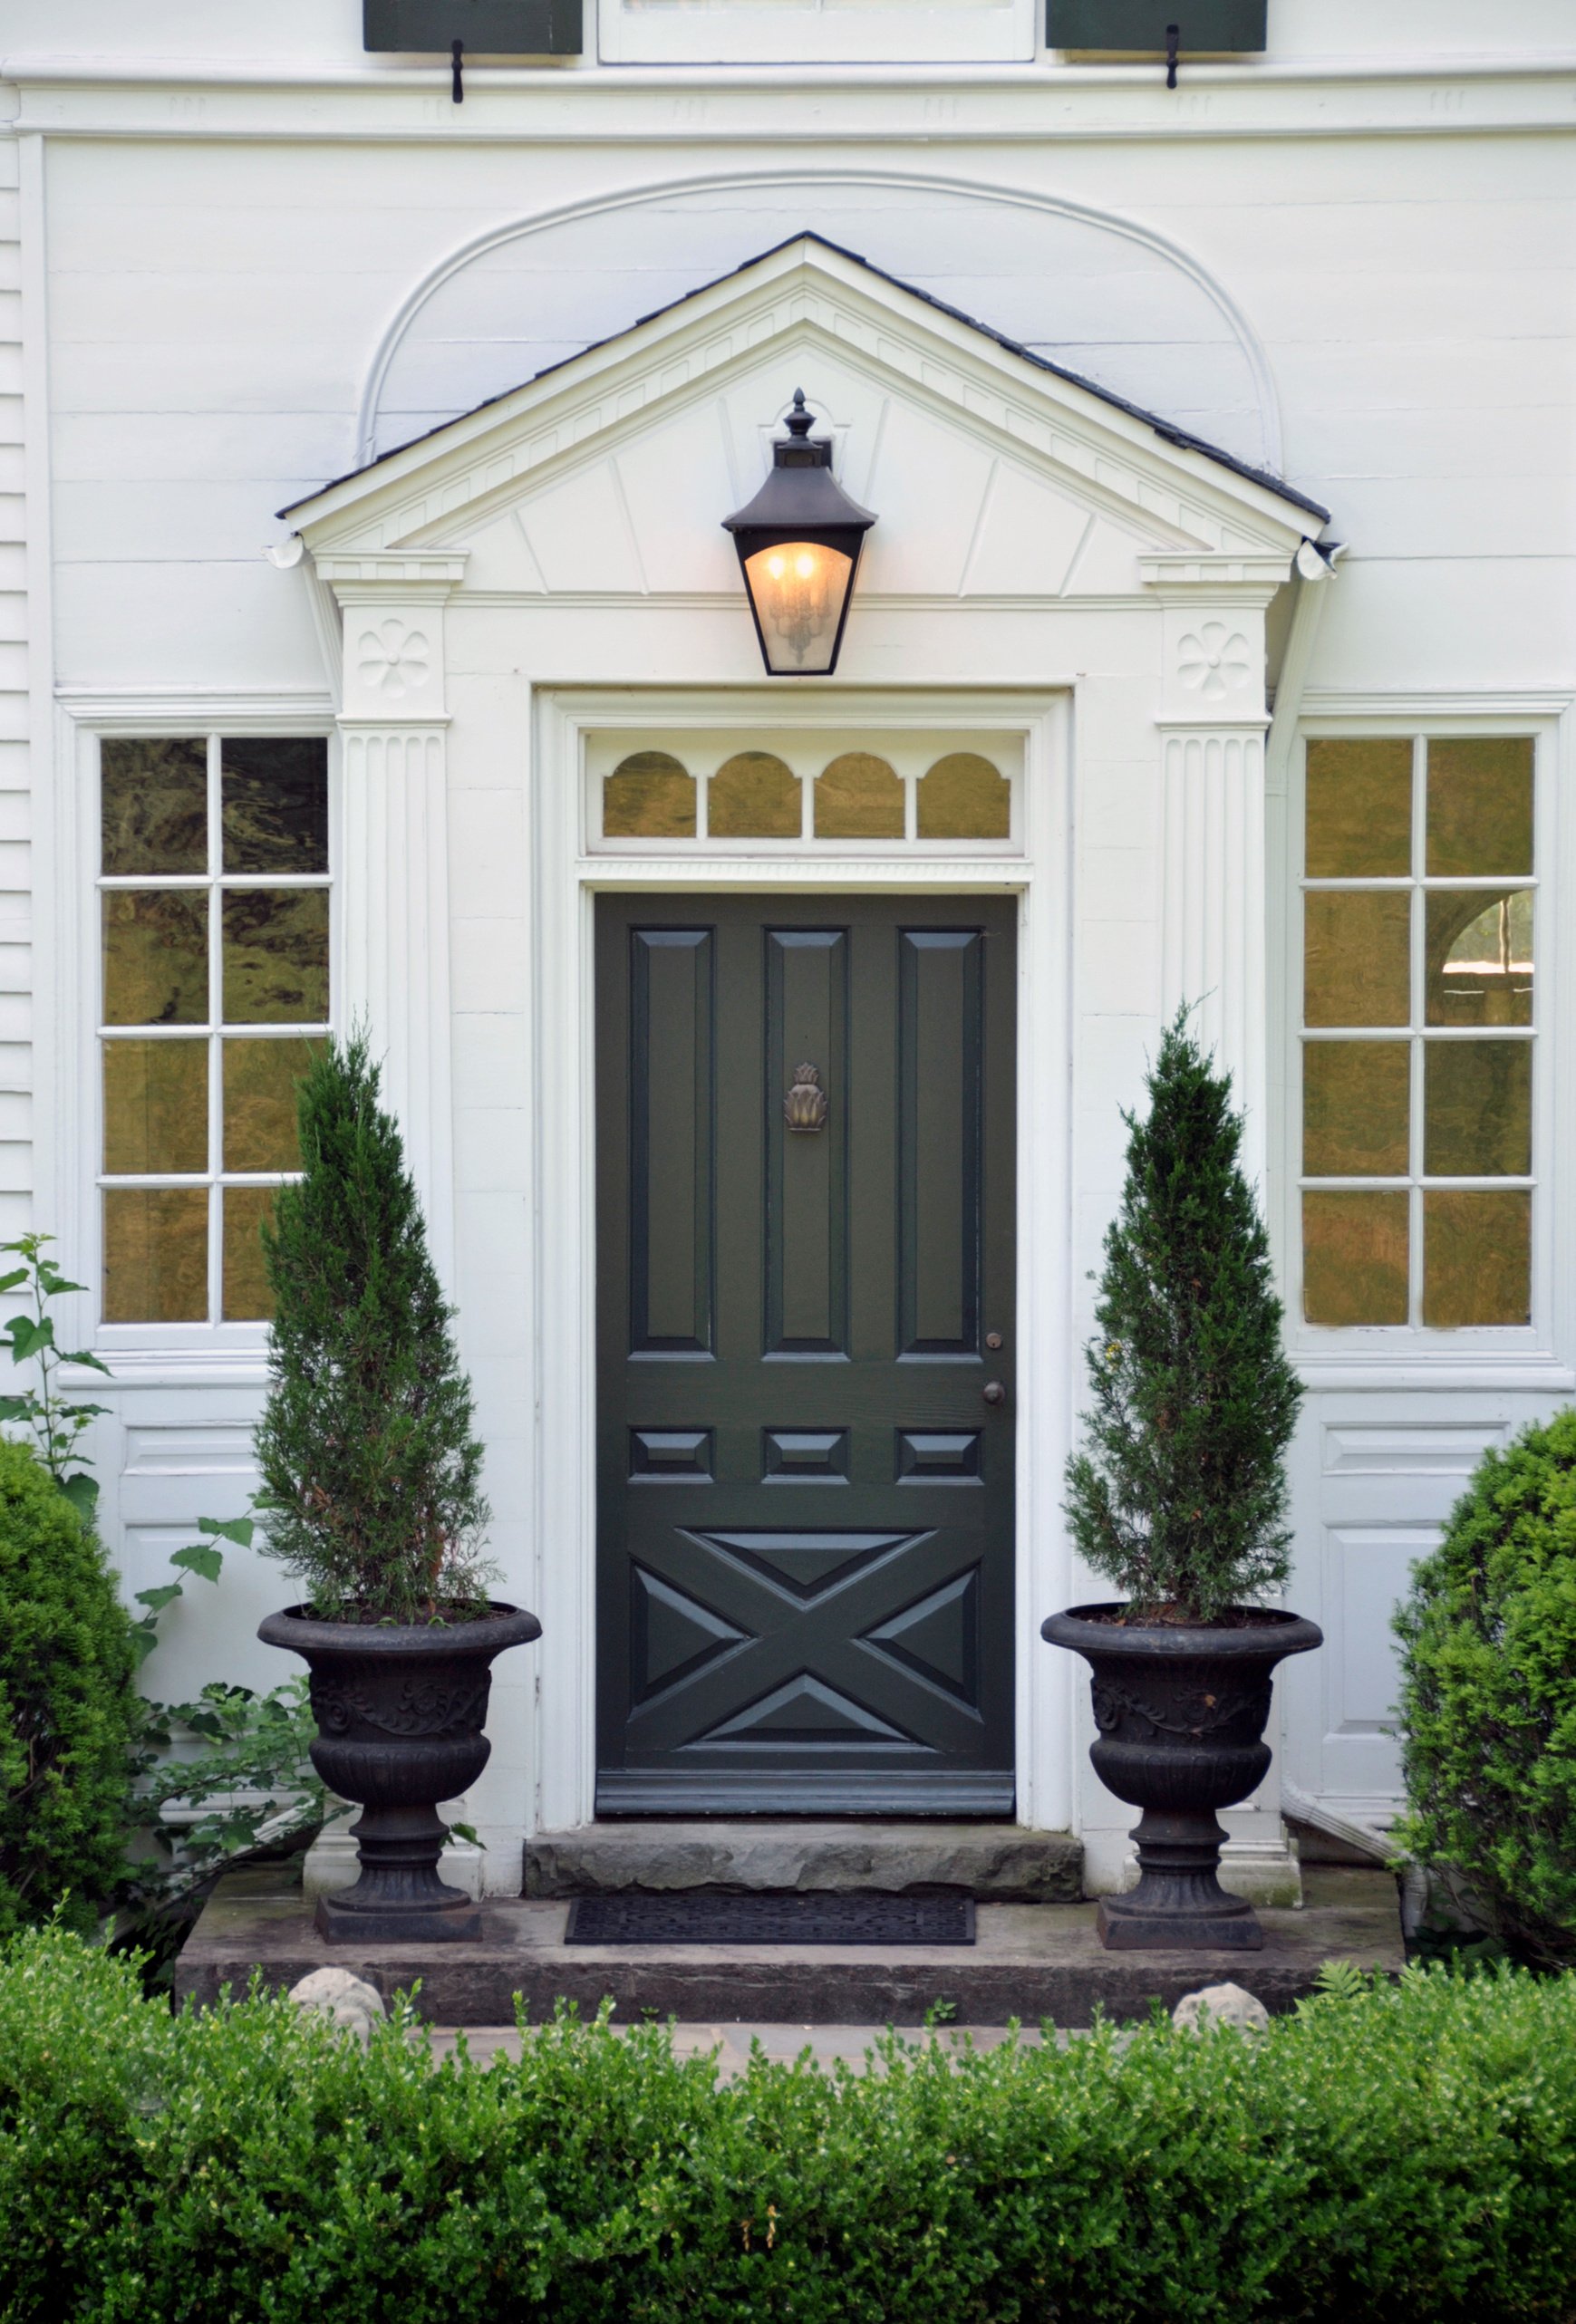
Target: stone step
pixel 1030 1961
pixel 997 1862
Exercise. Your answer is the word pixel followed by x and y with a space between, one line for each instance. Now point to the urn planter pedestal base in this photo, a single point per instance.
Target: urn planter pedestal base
pixel 400 1712
pixel 1179 1900
pixel 1181 1711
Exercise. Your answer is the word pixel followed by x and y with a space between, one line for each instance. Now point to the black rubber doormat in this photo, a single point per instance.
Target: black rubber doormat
pixel 704 1918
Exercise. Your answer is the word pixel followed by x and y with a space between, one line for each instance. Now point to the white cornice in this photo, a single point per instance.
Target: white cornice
pixel 878 104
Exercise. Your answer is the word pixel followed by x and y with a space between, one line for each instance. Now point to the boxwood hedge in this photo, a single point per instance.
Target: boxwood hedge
pixel 1407 2150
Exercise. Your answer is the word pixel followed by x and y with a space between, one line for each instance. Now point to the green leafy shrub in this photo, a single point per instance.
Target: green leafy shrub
pixel 1178 1493
pixel 1397 2152
pixel 1488 1695
pixel 68 1714
pixel 371 1472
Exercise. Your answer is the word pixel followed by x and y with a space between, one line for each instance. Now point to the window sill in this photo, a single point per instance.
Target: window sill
pixel 1529 1369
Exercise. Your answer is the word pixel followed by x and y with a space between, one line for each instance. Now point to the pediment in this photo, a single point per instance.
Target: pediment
pixel 994 475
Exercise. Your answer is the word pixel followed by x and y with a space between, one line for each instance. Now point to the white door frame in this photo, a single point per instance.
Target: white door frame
pixel 565 879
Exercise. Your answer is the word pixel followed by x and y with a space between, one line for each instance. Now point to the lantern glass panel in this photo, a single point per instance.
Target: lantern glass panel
pixel 798 589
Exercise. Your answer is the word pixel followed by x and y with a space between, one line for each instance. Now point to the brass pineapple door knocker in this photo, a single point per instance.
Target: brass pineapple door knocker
pixel 805 1106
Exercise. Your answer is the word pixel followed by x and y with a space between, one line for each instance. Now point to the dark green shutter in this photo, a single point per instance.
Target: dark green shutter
pixel 488 27
pixel 1232 26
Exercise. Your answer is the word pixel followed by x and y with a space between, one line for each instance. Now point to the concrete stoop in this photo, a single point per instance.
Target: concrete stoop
pixel 1030 1961
pixel 1001 1863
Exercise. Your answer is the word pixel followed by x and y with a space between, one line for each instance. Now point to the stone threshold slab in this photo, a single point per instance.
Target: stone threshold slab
pixel 1002 1863
pixel 1030 1961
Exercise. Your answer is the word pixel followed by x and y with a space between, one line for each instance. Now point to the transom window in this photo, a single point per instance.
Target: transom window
pixel 1420 919
pixel 865 792
pixel 214 945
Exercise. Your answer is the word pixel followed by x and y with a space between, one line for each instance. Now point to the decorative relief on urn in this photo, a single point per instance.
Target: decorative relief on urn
pixel 425 1706
pixel 805 1106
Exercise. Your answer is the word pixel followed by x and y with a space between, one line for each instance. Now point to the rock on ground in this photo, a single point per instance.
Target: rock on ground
pixel 344 1999
pixel 1224 2005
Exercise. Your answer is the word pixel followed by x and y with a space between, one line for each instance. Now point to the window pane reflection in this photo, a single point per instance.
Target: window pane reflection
pixel 155 956
pixel 275 804
pixel 153 807
pixel 1479 957
pixel 276 956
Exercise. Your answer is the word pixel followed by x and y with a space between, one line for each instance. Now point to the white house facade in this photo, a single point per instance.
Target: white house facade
pixel 375 653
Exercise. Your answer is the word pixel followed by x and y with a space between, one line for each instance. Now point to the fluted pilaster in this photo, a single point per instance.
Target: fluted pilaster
pixel 394 919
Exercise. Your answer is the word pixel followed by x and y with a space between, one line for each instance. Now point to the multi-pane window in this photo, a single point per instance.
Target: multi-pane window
pixel 213 943
pixel 1418 1064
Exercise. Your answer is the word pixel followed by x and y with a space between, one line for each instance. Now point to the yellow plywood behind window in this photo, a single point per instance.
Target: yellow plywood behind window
pixel 248 1297
pixel 1360 808
pixel 964 797
pixel 650 794
pixel 1354 1258
pixel 859 797
pixel 754 795
pixel 155 1107
pixel 1464 999
pixel 156 1255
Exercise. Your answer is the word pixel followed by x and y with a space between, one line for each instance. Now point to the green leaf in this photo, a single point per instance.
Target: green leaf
pixel 199 1558
pixel 18 1275
pixel 144 1638
pixel 156 1600
pixel 238 1529
pixel 94 1364
pixel 15 1408
pixel 26 1334
pixel 82 1493
pixel 467 1832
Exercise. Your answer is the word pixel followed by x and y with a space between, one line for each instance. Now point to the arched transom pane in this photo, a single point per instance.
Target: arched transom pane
pixel 755 795
pixel 650 794
pixel 964 797
pixel 859 797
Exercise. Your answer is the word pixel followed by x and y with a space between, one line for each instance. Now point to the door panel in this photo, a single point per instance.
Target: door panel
pixel 805 1160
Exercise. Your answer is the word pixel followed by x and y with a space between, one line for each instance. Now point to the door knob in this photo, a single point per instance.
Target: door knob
pixel 994 1392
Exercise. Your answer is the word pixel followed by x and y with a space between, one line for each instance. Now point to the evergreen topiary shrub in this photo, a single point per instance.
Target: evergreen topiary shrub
pixel 1488 1694
pixel 1178 1493
pixel 68 1713
pixel 371 1472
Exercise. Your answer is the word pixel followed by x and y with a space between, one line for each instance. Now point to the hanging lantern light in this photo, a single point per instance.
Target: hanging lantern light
pixel 799 543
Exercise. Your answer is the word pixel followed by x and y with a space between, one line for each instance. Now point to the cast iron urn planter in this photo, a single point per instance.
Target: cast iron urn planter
pixel 400 1712
pixel 1182 1711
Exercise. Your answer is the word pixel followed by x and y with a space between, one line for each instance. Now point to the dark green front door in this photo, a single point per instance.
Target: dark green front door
pixel 806 1354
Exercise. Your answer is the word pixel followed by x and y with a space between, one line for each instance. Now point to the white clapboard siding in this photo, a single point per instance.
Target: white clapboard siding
pixel 15 903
